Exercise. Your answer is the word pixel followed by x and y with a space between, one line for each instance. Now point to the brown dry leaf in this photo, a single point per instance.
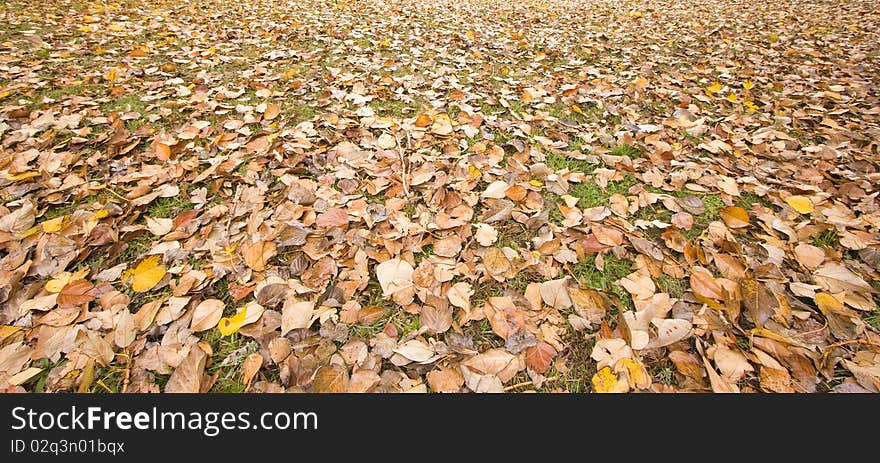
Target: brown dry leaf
pixel 809 256
pixel 272 111
pixel 296 314
pixel 448 247
pixel 555 293
pixel 332 379
pixel 496 262
pixel 460 294
pixel 445 380
pixel 442 124
pixel 249 368
pixel 187 377
pixel 125 331
pixel 758 300
pixel 258 254
pixel 332 218
pixel 76 293
pixel 437 319
pixel 540 357
pixel 207 314
pixel 485 234
pixel 705 285
pixel 394 275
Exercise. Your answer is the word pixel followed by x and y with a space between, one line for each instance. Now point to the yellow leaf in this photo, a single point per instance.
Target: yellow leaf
pixel 85 29
pixel 802 204
pixel 470 35
pixel 604 381
pixel 827 303
pixel 28 232
pixel 22 176
pixel 111 75
pixel 116 28
pixel 474 172
pixel 58 282
pixel 731 98
pixel 385 43
pixel 100 214
pixel 748 84
pixel 229 325
pixel 714 88
pixel 8 330
pixel 146 275
pixel 53 225
pixel 752 107
pixel 535 182
pixel 577 109
pixel 636 374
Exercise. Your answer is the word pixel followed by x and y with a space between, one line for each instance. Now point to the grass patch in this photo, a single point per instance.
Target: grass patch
pixel 302 112
pixel 127 103
pixel 168 208
pixel 135 248
pixel 675 287
pixel 626 150
pixel 390 107
pixel 372 297
pixel 558 162
pixel 748 199
pixel 580 368
pixel 589 194
pixel 484 338
pixel 515 235
pixel 614 269
pixel 828 238
pixel 228 354
pixel 711 204
pixel 873 319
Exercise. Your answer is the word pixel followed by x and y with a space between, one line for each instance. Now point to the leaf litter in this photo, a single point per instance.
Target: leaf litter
pixel 457 196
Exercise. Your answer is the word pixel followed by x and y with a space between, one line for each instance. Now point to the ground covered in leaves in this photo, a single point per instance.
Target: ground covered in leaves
pixel 442 196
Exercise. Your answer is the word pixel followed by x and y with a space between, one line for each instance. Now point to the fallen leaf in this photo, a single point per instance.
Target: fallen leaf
pixel 540 357
pixel 394 275
pixel 207 314
pixel 801 204
pixel 187 377
pixel 230 325
pixel 734 217
pixel 76 293
pixel 146 274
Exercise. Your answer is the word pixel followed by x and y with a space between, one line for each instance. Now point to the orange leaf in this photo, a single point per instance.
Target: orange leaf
pixel 423 120
pixel 734 217
pixel 163 151
pixel 332 218
pixel 539 357
pixel 76 293
pixel 272 111
pixel 703 284
pixel 258 254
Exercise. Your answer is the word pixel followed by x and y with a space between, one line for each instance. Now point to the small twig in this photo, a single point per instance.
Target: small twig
pixel 101 383
pixel 830 347
pixel 527 383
